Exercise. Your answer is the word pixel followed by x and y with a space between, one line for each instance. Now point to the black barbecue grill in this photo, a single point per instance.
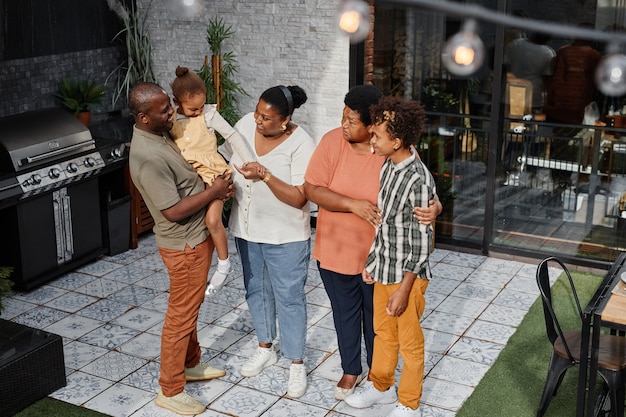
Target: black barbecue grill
pixel 51 196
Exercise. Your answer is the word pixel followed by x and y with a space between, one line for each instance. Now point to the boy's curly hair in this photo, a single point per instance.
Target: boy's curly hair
pixel 405 118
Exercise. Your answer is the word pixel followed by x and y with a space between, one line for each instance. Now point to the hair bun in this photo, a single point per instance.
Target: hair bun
pixel 180 71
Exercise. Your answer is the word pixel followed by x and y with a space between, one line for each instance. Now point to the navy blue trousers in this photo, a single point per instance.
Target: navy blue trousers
pixel 352 302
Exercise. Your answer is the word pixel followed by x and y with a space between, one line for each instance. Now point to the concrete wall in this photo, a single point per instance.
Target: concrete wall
pixel 281 42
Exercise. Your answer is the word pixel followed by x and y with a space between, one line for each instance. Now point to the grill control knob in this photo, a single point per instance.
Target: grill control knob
pixel 90 162
pixel 115 153
pixel 35 179
pixel 54 173
pixel 72 167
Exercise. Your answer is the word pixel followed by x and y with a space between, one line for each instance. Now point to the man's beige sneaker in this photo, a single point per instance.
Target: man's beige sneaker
pixel 181 403
pixel 203 371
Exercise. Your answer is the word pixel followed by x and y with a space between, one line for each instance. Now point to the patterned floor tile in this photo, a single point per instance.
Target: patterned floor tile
pixel 272 380
pixel 41 295
pixel 159 281
pixel 315 313
pixel 244 402
pixel 462 306
pixel 79 354
pixel 109 336
pixel 81 387
pixel 442 286
pixel 73 327
pixel 114 366
pixel 524 284
pixel 14 307
pixel 98 268
pixel 236 319
pixel 139 319
pixel 448 323
pixel 158 303
pixel 72 280
pixel 490 332
pixel 101 287
pixel 464 259
pixel 515 299
pixel 318 296
pixel 459 371
pixel 134 295
pixel 501 265
pixel 476 350
pixel 218 338
pixel 438 342
pixel 71 302
pixel 445 394
pixel 144 345
pixel 129 274
pixel 503 315
pixel 475 292
pixel 151 262
pixel 457 273
pixel 120 400
pixel 125 258
pixel 288 408
pixel 40 317
pixel 145 378
pixel 322 339
pixel 105 310
pixel 433 299
pixel 326 322
pixel 488 278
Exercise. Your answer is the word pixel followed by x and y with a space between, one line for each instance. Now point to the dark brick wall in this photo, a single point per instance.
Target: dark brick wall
pixel 29 84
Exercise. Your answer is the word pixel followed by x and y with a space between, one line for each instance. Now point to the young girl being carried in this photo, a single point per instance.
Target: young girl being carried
pixel 195 137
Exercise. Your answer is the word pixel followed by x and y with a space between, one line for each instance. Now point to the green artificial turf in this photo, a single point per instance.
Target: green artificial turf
pixel 513 385
pixel 49 407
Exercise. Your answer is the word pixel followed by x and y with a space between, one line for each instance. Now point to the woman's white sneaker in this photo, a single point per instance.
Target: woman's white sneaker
pixel 262 358
pixel 296 387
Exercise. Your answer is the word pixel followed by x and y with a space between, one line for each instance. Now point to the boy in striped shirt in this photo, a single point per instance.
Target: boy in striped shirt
pixel 397 264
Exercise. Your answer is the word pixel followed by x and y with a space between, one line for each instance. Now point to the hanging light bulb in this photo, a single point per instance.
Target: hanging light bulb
pixel 611 72
pixel 354 19
pixel 464 52
pixel 188 3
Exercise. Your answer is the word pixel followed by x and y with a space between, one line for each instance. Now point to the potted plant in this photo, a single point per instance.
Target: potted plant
pixel 79 96
pixel 5 284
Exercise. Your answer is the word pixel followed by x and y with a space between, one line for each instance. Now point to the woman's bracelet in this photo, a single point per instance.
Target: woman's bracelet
pixel 267 177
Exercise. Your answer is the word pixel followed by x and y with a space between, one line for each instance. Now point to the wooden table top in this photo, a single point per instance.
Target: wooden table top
pixel 615 309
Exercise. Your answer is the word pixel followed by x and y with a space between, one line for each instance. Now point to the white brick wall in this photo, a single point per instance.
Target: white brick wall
pixel 290 42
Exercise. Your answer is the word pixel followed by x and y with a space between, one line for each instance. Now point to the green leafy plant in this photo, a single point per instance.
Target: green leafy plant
pixel 5 283
pixel 80 95
pixel 216 33
pixel 137 66
pixel 222 89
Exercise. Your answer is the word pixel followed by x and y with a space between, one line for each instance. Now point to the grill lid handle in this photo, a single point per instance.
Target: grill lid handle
pixel 56 152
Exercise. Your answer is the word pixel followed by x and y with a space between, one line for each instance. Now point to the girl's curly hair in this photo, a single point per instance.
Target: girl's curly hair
pixel 405 118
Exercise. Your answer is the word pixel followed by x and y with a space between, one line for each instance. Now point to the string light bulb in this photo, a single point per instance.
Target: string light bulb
pixel 354 19
pixel 611 72
pixel 464 52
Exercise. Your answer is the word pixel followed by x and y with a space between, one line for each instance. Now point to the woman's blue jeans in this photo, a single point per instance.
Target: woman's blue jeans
pixel 274 277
